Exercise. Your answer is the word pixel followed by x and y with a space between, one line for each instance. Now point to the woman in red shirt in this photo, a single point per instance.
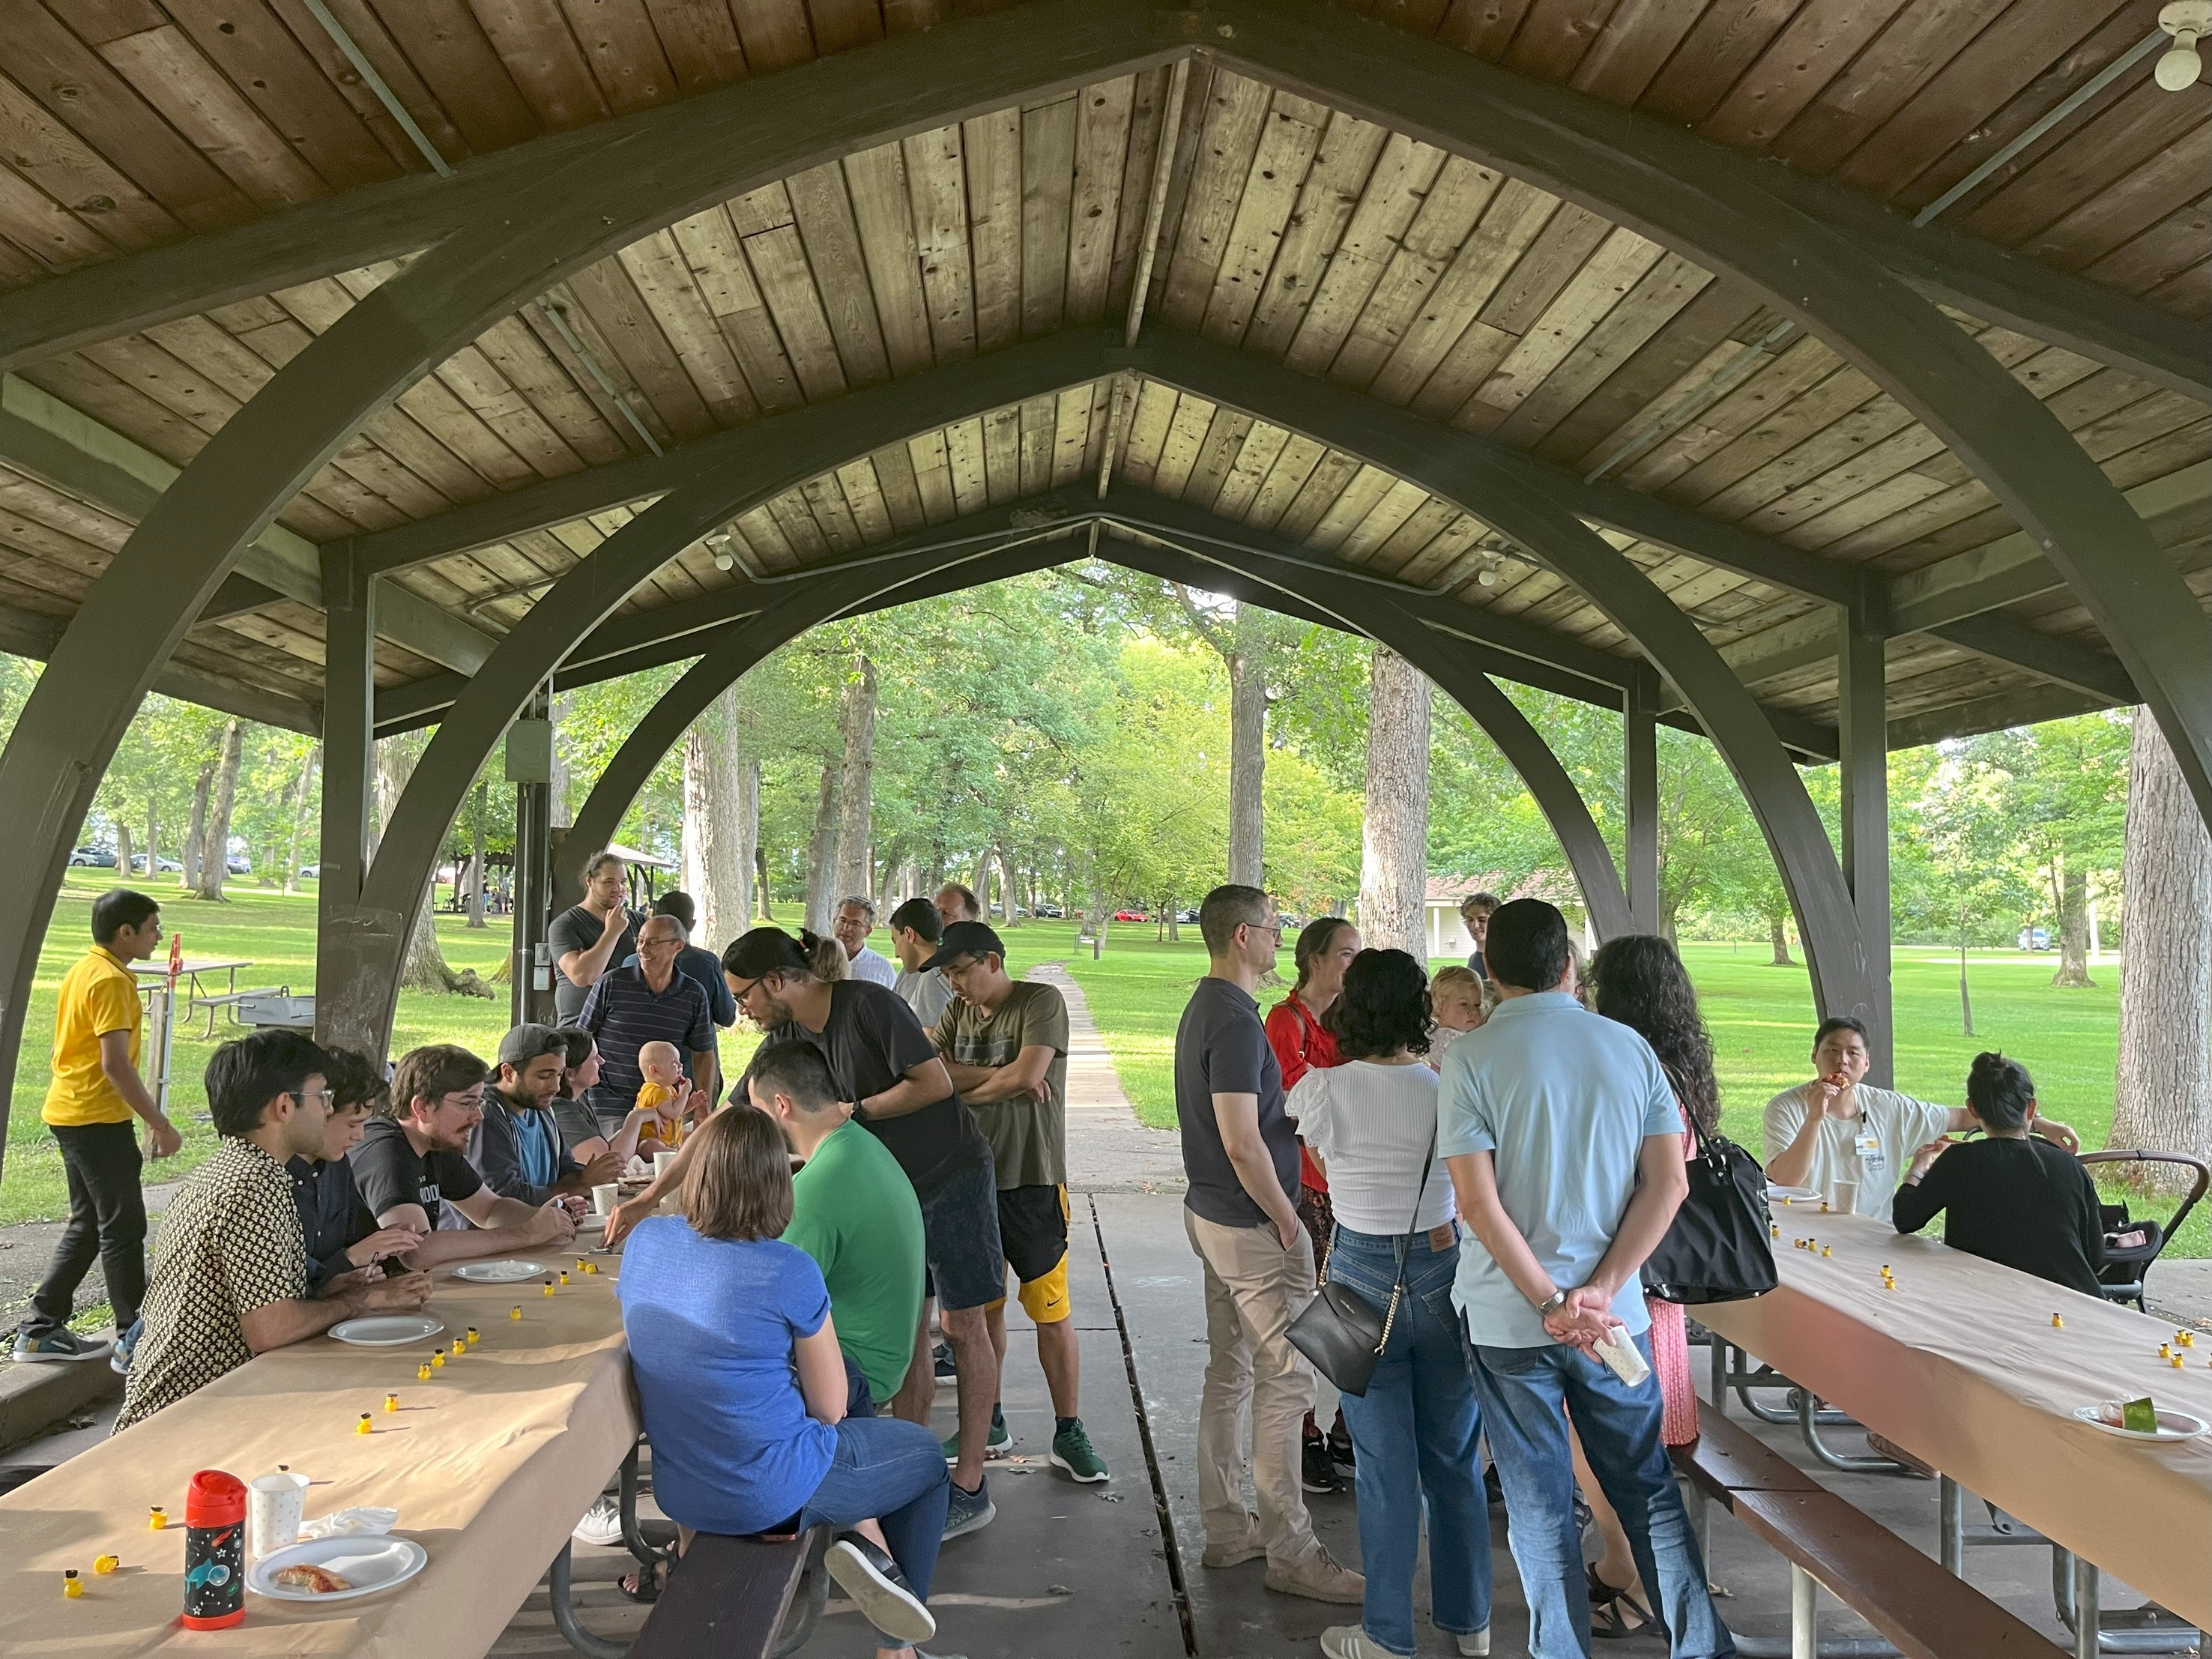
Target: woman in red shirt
pixel 1325 948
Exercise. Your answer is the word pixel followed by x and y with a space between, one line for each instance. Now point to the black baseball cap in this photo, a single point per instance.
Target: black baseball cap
pixel 967 938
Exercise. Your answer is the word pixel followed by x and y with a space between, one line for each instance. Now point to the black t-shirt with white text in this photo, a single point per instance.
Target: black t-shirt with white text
pixel 871 1040
pixel 390 1172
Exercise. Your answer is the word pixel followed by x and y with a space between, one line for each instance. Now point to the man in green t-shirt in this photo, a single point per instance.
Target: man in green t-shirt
pixel 854 1212
pixel 1005 1043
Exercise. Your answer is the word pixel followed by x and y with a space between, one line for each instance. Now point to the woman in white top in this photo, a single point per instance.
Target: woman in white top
pixel 1370 1123
pixel 1851 1142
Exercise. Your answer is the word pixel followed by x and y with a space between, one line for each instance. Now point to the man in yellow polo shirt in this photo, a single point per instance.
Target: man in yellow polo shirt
pixel 92 1107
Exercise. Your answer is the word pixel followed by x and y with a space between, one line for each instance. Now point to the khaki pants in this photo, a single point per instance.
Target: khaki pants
pixel 1253 1289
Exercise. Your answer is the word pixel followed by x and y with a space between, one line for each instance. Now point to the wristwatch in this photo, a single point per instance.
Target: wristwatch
pixel 1551 1305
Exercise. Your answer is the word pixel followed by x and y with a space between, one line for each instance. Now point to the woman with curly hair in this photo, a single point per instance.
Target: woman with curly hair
pixel 1298 1033
pixel 1639 981
pixel 1370 1123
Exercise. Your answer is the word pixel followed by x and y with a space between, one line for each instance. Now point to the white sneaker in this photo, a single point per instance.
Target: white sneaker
pixel 602 1523
pixel 1352 1642
pixel 1476 1646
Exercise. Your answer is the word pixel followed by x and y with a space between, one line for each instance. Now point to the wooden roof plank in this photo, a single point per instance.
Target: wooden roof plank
pixel 932 477
pixel 1071 441
pixel 1002 454
pixel 1254 461
pixel 882 218
pixel 1185 435
pixel 512 348
pixel 444 43
pixel 265 61
pixel 1726 41
pixel 1101 144
pixel 1224 438
pixel 716 258
pixel 1236 111
pixel 166 70
pixel 2160 252
pixel 701 40
pixel 1147 117
pixel 1334 186
pixel 1397 188
pixel 623 51
pixel 533 41
pixel 991 153
pixel 1039 422
pixel 41 147
pixel 1272 188
pixel 376 44
pixel 1048 197
pixel 1659 295
pixel 1396 309
pixel 1285 479
pixel 1511 224
pixel 90 97
pixel 662 277
pixel 775 34
pixel 636 350
pixel 2108 218
pixel 1590 296
pixel 937 190
pixel 786 283
pixel 1812 50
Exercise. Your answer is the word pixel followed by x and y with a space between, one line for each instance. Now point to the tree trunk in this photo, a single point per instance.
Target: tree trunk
pixel 152 838
pixel 2073 928
pixel 822 854
pixel 1777 934
pixel 1966 1002
pixel 214 839
pixel 1248 752
pixel 717 867
pixel 979 882
pixel 481 805
pixel 1099 913
pixel 196 832
pixel 2165 1096
pixel 750 864
pixel 562 817
pixel 299 813
pixel 1394 845
pixel 123 851
pixel 856 724
pixel 425 967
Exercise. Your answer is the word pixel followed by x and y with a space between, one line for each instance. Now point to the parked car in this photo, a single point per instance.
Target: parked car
pixel 2031 938
pixel 1053 910
pixel 1131 915
pixel 1187 914
pixel 310 872
pixel 239 865
pixel 97 857
pixel 169 865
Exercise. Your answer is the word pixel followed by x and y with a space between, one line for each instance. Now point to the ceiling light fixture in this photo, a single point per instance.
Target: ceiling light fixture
pixel 719 545
pixel 2188 21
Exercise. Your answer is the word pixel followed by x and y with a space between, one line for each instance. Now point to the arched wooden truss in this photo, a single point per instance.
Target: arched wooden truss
pixel 1496 316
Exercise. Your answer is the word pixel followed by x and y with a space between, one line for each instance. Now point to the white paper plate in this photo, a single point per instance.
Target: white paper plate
pixel 369 1565
pixel 591 1223
pixel 387 1330
pixel 1796 1194
pixel 2171 1425
pixel 499 1272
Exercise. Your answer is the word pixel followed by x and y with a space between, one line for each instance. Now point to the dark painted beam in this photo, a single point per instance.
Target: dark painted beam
pixel 1640 794
pixel 1999 712
pixel 2063 661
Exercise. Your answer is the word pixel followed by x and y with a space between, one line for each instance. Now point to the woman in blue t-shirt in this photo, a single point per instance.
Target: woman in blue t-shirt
pixel 742 1389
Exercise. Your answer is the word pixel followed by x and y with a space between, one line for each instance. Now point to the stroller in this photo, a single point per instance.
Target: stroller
pixel 2131 1245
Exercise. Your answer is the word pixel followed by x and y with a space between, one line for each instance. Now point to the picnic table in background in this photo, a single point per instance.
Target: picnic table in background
pixel 155 976
pixel 1962 1366
pixel 489 1464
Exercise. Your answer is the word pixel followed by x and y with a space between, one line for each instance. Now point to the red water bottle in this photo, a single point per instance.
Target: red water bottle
pixel 215 1551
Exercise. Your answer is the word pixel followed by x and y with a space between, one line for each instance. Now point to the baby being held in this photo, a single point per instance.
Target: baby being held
pixel 1456 996
pixel 658 1121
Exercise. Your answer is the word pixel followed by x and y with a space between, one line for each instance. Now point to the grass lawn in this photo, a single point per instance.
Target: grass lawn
pixel 1761 1019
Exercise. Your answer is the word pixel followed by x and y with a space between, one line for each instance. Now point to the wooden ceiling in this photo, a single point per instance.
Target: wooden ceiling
pixel 1335 246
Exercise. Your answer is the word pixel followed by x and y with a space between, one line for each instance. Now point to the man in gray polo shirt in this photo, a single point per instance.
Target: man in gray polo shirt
pixel 1241 1153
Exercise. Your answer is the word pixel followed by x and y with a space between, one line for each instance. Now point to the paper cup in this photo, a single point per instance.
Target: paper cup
pixel 662 1161
pixel 274 1504
pixel 605 1198
pixel 1843 1198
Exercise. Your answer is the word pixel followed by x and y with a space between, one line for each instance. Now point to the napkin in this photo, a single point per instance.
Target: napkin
pixel 350 1524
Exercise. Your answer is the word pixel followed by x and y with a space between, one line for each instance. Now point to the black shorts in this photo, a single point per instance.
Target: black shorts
pixel 1033 1229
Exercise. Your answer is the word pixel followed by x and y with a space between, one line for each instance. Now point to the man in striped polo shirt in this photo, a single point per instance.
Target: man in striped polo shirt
pixel 650 1002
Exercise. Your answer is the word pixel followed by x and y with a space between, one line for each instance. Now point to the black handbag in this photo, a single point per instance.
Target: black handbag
pixel 1718 1248
pixel 1338 1332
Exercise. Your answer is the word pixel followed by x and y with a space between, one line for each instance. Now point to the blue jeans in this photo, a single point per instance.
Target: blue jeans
pixel 1522 1391
pixel 1413 1433
pixel 895 1472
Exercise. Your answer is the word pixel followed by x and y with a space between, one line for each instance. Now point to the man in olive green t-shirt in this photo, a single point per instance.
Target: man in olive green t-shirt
pixel 1005 1043
pixel 854 1212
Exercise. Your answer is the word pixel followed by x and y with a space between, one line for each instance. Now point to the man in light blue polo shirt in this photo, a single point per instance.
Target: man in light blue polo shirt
pixel 1565 1148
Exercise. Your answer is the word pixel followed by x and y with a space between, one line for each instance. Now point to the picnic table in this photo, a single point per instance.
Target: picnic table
pixel 489 1464
pixel 1962 1366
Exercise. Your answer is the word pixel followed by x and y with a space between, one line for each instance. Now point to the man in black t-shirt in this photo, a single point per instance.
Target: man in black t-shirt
pixel 589 939
pixel 1241 1153
pixel 887 1066
pixel 410 1165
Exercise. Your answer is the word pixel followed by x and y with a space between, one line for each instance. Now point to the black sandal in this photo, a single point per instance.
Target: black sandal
pixel 1615 1608
pixel 644 1585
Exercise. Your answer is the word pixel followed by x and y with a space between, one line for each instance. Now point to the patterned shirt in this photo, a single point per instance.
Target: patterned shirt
pixel 230 1243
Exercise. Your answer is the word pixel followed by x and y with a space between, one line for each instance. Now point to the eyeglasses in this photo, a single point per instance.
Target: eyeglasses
pixel 741 993
pixel 328 1097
